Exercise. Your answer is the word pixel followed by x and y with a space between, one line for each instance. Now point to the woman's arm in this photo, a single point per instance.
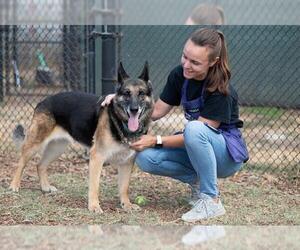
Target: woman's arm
pixel 149 141
pixel 171 141
pixel 146 141
pixel 212 123
pixel 160 109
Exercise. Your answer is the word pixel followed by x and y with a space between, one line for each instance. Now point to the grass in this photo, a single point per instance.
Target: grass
pixel 292 170
pixel 266 112
pixel 261 205
pixel 249 198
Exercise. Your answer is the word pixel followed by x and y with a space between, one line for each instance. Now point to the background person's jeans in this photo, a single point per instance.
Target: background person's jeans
pixel 204 157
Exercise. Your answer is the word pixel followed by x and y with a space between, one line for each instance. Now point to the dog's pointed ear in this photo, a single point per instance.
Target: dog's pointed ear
pixel 145 73
pixel 145 77
pixel 122 75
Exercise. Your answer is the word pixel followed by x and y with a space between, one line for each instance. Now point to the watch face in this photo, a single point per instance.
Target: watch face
pixel 158 142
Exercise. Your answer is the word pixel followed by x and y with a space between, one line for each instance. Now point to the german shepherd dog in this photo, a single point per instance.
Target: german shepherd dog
pixel 108 131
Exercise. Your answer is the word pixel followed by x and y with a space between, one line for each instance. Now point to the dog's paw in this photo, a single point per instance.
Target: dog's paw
pixel 95 208
pixel 14 188
pixel 49 189
pixel 128 207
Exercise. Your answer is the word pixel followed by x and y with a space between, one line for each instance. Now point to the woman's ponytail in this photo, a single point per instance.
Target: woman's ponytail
pixel 219 74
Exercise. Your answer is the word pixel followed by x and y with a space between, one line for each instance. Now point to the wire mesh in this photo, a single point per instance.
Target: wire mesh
pixel 40 60
pixel 264 62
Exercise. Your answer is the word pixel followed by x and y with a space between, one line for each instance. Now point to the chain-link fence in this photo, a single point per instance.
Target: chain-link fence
pixel 40 60
pixel 265 69
pixel 36 61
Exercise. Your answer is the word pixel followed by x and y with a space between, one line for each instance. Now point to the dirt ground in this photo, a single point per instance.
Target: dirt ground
pixel 250 198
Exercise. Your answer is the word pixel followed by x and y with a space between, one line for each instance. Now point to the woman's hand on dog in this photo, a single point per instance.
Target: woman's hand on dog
pixel 145 141
pixel 107 100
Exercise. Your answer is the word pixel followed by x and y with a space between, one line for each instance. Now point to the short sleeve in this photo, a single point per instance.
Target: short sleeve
pixel 217 107
pixel 171 93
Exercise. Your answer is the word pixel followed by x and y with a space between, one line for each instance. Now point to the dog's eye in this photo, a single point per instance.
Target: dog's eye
pixel 142 93
pixel 127 93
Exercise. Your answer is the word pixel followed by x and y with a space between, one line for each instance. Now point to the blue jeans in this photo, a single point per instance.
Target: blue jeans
pixel 204 158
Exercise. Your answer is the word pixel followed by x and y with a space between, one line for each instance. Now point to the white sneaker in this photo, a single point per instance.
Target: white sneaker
pixel 205 208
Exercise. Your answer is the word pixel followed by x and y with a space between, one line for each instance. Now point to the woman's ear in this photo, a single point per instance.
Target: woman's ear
pixel 217 59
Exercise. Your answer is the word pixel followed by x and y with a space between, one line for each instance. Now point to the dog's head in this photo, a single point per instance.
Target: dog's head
pixel 133 103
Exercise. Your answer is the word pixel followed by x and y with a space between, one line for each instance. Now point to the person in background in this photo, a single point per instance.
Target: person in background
pixel 206 14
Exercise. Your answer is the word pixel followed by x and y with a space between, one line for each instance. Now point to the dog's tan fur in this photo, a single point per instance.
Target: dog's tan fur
pixel 104 148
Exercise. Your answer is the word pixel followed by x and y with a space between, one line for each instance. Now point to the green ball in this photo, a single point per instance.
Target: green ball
pixel 140 200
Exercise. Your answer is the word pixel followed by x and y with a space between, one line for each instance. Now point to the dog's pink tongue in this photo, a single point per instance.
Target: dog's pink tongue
pixel 133 122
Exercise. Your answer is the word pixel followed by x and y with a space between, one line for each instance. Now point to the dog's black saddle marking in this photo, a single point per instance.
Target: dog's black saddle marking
pixel 76 112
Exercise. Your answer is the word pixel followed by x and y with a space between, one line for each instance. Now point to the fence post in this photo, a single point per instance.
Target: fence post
pixel 106 52
pixel 90 62
pixel 109 60
pixel 7 58
pixel 1 64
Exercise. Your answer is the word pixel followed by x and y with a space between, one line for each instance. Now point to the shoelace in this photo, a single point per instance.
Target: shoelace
pixel 201 204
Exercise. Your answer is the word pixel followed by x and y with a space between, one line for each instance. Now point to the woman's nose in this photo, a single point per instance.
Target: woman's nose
pixel 186 64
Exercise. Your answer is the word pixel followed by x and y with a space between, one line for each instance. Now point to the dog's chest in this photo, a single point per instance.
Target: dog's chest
pixel 118 153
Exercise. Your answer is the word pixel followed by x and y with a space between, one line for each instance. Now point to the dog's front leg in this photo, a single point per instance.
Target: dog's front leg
pixel 95 167
pixel 124 172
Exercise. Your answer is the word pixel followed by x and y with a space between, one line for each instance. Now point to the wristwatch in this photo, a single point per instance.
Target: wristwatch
pixel 159 142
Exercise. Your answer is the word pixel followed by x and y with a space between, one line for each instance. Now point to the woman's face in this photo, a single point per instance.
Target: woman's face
pixel 195 61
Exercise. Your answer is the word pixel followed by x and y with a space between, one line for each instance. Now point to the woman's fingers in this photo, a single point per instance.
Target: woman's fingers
pixel 107 100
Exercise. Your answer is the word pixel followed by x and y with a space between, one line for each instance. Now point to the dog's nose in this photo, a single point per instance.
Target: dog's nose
pixel 134 110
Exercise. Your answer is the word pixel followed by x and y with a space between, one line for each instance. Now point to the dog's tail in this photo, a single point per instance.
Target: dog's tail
pixel 19 136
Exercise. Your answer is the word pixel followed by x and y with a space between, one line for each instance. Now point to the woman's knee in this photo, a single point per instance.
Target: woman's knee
pixel 147 160
pixel 194 130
